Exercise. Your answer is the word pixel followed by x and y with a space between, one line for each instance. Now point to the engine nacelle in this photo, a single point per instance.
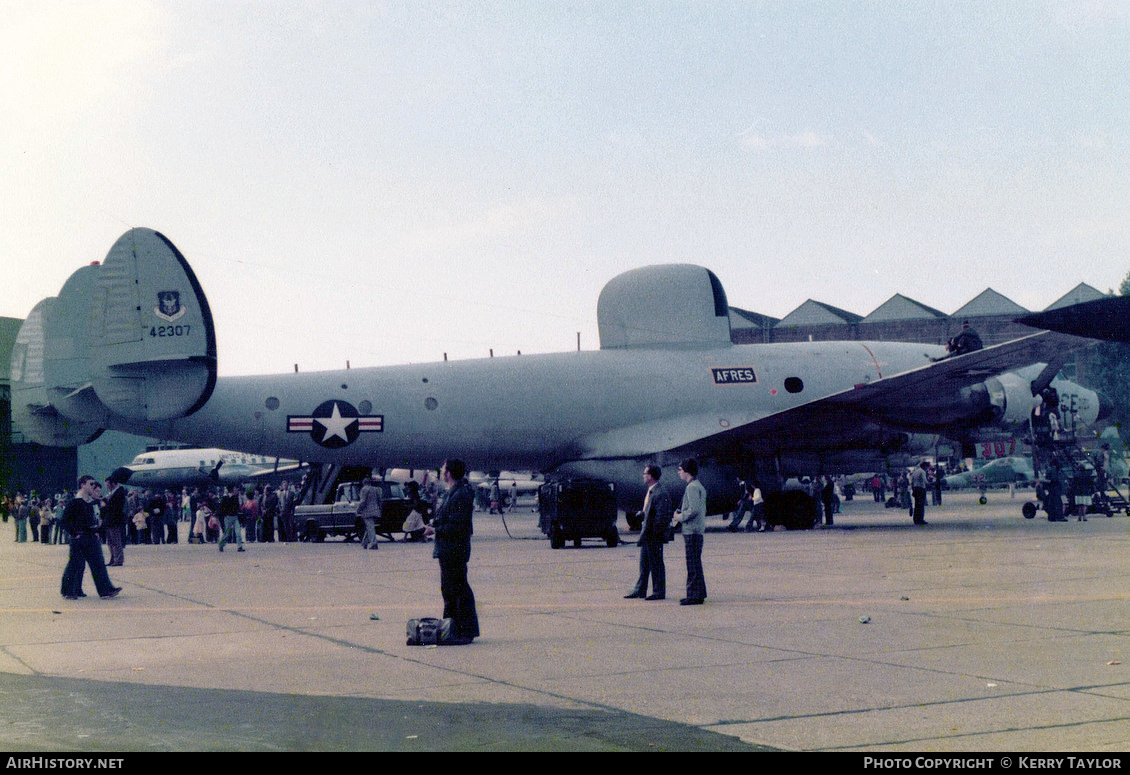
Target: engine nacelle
pixel 1010 396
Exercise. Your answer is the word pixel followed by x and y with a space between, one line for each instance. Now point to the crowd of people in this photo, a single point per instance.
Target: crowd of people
pixel 826 493
pixel 37 519
pixel 262 513
pixel 143 516
pixel 95 515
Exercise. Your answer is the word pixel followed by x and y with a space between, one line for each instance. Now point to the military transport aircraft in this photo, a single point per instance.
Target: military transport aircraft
pixel 129 345
pixel 196 466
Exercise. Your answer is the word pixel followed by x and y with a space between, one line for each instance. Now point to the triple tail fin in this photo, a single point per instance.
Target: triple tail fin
pixel 132 337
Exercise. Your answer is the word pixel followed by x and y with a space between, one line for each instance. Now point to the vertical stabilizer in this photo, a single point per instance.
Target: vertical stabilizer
pixel 67 330
pixel 34 414
pixel 152 344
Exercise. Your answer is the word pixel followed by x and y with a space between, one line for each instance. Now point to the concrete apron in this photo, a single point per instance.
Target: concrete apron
pixel 981 631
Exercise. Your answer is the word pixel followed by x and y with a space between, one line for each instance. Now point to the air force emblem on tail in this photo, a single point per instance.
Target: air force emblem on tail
pixel 734 375
pixel 170 309
pixel 168 306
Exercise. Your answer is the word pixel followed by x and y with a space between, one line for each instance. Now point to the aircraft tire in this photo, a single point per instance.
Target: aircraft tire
pixel 1028 510
pixel 797 510
pixel 556 540
pixel 612 538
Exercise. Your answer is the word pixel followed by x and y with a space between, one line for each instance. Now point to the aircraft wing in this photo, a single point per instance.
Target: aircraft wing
pixel 927 387
pixel 259 472
pixel 930 398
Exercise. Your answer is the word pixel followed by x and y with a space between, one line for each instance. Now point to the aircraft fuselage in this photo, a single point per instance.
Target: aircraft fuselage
pixel 130 345
pixel 607 405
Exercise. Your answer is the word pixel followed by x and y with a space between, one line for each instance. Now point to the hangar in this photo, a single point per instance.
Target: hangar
pixel 899 319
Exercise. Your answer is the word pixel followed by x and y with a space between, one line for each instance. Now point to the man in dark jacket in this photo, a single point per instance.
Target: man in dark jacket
pixel 288 500
pixel 966 341
pixel 114 520
pixel 155 518
pixel 85 548
pixel 270 514
pixel 657 513
pixel 452 528
pixel 229 514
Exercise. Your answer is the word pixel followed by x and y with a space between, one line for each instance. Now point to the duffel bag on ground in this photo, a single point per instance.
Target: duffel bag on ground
pixel 430 631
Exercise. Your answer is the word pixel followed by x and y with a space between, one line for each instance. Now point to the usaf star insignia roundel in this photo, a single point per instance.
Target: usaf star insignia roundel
pixel 334 424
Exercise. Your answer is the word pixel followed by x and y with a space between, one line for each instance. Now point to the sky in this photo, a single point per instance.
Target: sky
pixel 387 182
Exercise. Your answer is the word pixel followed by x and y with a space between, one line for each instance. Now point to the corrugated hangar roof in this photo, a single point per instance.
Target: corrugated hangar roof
pixel 816 313
pixel 1080 293
pixel 900 307
pixel 989 302
pixel 747 319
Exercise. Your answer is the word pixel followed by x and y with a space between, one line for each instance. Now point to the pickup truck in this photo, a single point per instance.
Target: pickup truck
pixel 340 517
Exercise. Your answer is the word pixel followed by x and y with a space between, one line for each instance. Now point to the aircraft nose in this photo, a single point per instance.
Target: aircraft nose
pixel 1106 407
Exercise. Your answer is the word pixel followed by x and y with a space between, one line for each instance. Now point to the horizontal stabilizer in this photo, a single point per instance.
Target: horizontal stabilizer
pixel 1107 319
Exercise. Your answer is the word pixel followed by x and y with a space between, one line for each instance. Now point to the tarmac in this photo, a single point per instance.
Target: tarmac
pixel 980 632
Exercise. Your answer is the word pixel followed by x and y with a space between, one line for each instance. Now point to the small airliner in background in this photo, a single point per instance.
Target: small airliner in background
pixel 204 467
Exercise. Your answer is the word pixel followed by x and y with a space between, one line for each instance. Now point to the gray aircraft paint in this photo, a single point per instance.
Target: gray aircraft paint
pixel 666 383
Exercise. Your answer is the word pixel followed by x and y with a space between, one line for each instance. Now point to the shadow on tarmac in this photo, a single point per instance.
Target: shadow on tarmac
pixel 65 714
